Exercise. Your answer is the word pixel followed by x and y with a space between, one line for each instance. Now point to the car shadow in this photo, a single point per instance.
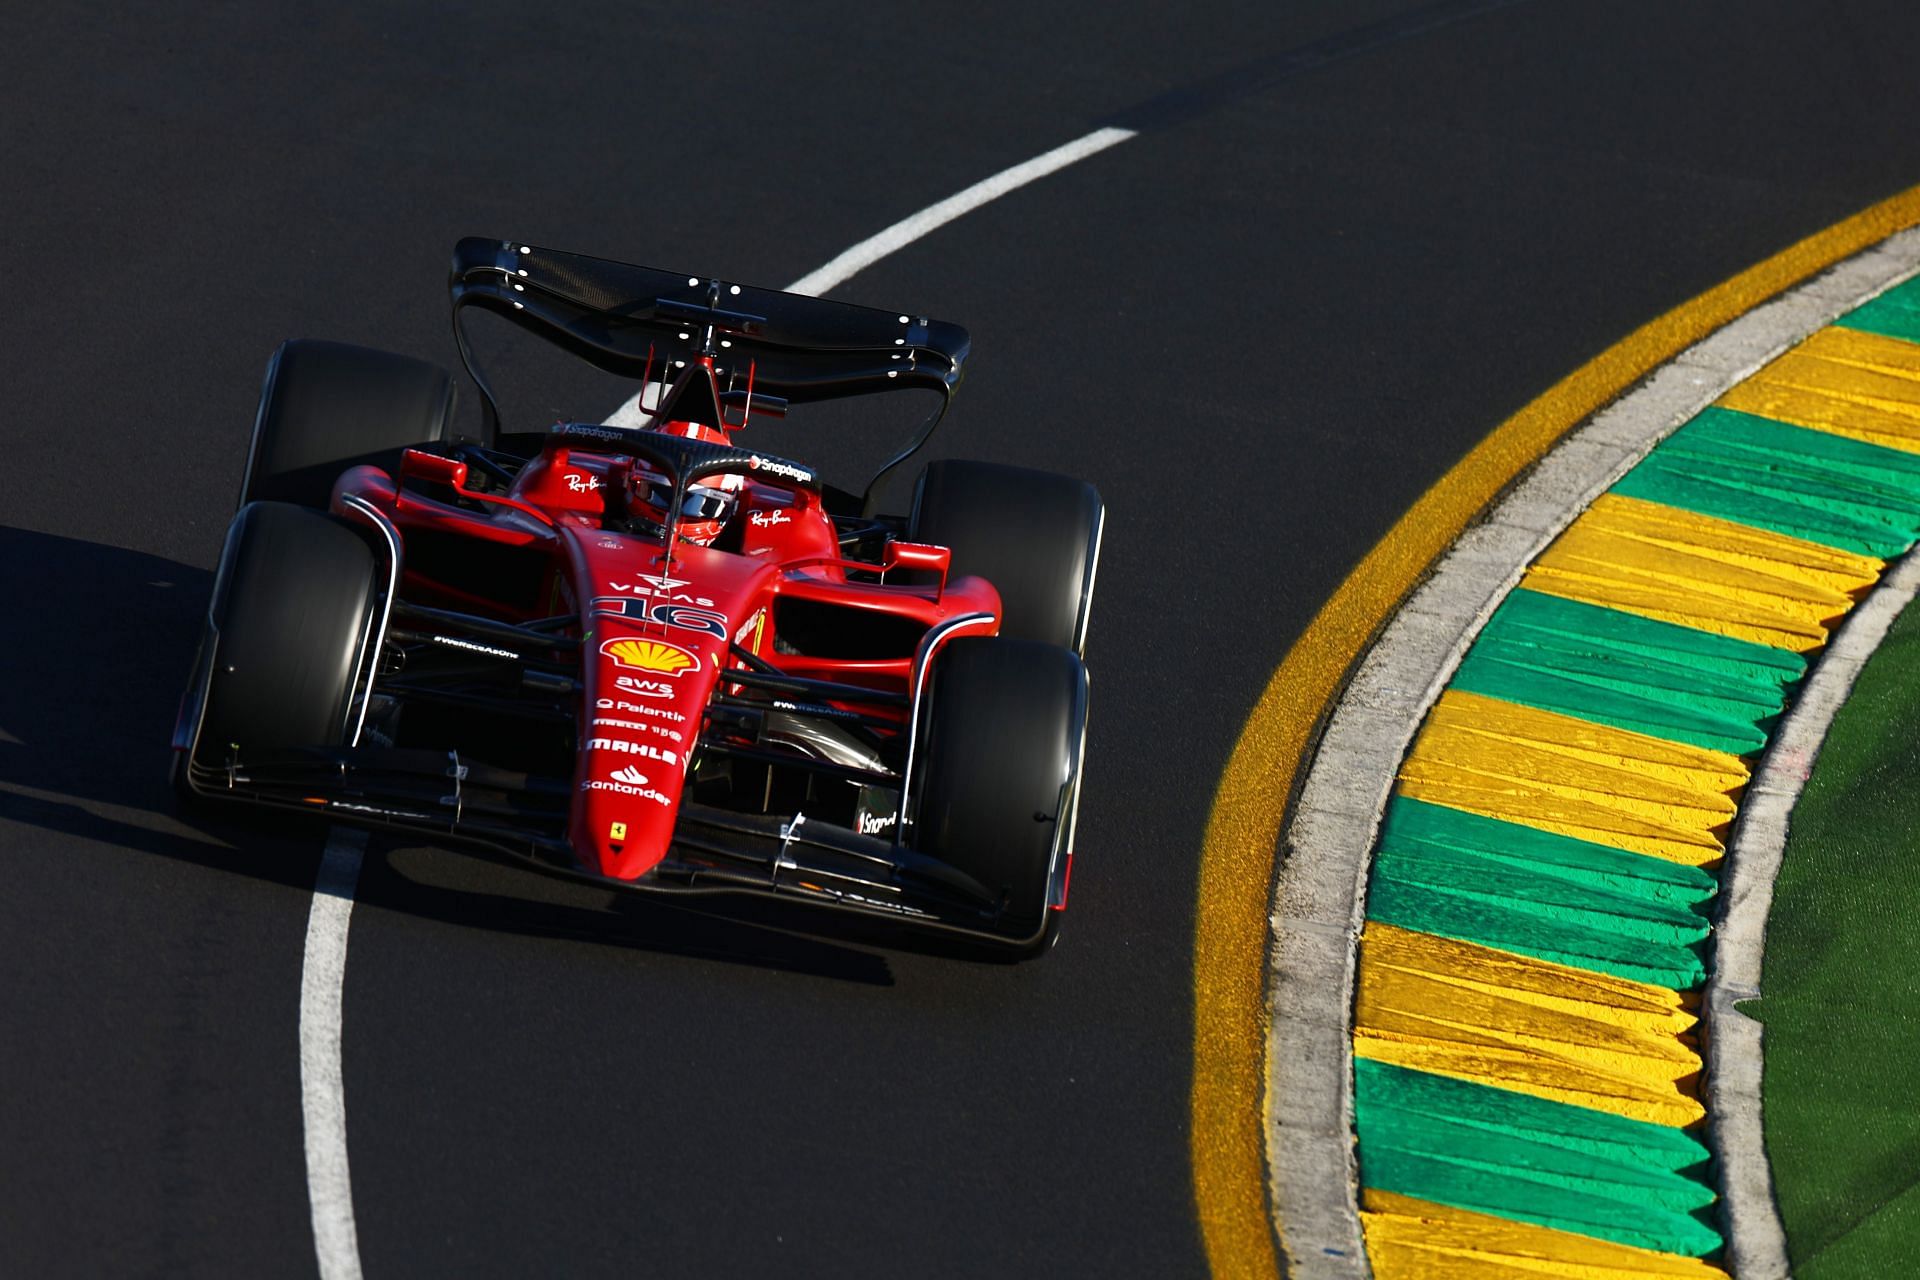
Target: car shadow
pixel 97 643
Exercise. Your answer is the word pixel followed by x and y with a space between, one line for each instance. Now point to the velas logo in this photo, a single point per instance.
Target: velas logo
pixel 678 597
pixel 650 655
pixel 663 583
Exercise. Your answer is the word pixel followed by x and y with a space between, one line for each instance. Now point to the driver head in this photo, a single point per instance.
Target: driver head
pixel 707 504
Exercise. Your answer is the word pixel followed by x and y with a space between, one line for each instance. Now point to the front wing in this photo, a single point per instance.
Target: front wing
pixel 714 850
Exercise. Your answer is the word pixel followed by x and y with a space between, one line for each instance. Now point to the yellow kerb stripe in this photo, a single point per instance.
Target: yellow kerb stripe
pixel 1513 1022
pixel 1228 1145
pixel 1861 385
pixel 1590 781
pixel 1710 574
pixel 1409 1239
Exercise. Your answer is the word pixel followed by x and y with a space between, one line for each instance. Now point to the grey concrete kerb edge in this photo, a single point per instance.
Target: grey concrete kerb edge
pixel 1757 1247
pixel 1319 890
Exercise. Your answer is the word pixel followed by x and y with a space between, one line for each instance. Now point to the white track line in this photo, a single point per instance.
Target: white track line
pixel 323 1099
pixel 934 216
pixel 336 1243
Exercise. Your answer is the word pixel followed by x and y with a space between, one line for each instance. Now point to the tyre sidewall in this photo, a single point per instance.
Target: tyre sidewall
pixel 328 406
pixel 1033 534
pixel 287 631
pixel 1005 733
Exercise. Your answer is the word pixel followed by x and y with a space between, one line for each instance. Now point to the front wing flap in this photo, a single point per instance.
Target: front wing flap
pixel 714 850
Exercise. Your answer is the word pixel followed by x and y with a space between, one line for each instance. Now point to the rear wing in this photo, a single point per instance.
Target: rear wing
pixel 621 318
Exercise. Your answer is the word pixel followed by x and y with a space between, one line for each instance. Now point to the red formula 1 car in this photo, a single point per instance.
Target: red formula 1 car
pixel 654 656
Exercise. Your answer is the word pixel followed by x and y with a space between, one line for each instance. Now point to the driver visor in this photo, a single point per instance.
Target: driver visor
pixel 700 503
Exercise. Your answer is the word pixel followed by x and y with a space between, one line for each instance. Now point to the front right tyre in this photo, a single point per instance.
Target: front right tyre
pixel 328 406
pixel 285 649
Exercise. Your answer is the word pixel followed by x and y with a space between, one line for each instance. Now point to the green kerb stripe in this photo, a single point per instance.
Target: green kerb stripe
pixel 1516 1156
pixel 1630 672
pixel 1460 875
pixel 1894 314
pixel 1807 484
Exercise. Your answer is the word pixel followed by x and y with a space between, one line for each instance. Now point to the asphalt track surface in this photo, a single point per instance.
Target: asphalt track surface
pixel 1345 245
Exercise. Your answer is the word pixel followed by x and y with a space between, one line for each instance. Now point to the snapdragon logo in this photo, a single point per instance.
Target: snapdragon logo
pixel 585 431
pixel 773 466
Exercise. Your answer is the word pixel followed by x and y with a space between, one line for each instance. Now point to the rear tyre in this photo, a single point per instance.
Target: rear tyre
pixel 1034 535
pixel 287 634
pixel 327 406
pixel 1005 734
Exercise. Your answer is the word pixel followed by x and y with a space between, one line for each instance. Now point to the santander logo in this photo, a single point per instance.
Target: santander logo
pixel 628 782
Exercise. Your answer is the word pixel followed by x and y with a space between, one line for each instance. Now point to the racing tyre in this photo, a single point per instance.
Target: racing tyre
pixel 293 612
pixel 327 406
pixel 1034 535
pixel 1005 736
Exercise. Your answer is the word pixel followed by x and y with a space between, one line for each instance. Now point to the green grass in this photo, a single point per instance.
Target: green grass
pixel 1842 999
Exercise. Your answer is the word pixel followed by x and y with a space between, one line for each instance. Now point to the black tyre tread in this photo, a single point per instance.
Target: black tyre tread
pixel 327 406
pixel 1033 534
pixel 295 593
pixel 1002 735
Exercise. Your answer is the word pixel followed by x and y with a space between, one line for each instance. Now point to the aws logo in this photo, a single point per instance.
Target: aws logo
pixel 639 688
pixel 650 655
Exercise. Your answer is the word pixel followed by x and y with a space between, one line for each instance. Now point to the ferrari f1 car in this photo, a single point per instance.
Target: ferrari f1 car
pixel 652 655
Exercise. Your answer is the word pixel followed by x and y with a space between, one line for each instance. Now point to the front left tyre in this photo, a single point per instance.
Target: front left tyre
pixel 1005 736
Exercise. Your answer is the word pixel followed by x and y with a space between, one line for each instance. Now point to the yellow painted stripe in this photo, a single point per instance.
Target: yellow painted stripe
pixel 1574 777
pixel 1702 572
pixel 1227 1137
pixel 1513 1022
pixel 1862 385
pixel 1409 1239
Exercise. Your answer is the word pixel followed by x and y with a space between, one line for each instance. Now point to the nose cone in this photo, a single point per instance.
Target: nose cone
pixel 648 695
pixel 656 643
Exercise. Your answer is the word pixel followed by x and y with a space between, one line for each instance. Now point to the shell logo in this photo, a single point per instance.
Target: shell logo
pixel 650 655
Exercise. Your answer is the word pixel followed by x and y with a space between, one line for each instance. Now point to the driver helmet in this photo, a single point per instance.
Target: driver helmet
pixel 708 503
